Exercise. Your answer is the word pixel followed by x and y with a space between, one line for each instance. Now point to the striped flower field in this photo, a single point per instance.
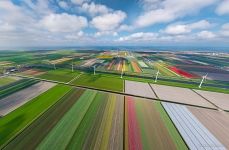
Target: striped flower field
pixel 89 119
pixel 145 126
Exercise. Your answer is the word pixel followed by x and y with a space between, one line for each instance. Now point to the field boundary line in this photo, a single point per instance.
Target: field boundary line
pixel 117 92
pixel 207 100
pixel 153 90
pixel 20 131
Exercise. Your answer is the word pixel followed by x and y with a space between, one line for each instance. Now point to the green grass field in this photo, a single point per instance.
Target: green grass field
pixel 16 121
pixel 62 75
pixel 100 81
pixel 6 80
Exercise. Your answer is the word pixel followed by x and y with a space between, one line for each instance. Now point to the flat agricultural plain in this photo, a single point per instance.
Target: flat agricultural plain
pixel 195 134
pixel 62 75
pixel 219 99
pixel 217 122
pixel 19 98
pixel 32 72
pixel 106 82
pixel 4 80
pixel 16 121
pixel 180 95
pixel 139 89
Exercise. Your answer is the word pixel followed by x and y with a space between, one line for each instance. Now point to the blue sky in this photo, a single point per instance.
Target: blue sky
pixel 25 23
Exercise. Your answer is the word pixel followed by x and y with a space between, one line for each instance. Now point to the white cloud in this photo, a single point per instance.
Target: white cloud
pixel 12 14
pixel 63 22
pixel 139 37
pixel 224 32
pixel 63 4
pixel 106 33
pixel 202 24
pixel 169 10
pixel 79 2
pixel 206 35
pixel 95 9
pixel 5 27
pixel 154 16
pixel 186 28
pixel 76 36
pixel 223 8
pixel 37 8
pixel 177 29
pixel 109 21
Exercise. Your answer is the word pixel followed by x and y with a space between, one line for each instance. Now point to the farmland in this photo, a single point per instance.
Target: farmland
pixel 6 80
pixel 20 118
pixel 17 99
pixel 107 82
pixel 113 99
pixel 14 87
pixel 145 128
pixel 59 75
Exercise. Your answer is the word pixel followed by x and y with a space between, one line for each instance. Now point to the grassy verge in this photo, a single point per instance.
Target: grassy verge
pixel 13 123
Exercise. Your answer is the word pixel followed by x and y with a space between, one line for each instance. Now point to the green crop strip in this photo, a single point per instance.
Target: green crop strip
pixel 80 135
pixel 7 91
pixel 61 134
pixel 19 119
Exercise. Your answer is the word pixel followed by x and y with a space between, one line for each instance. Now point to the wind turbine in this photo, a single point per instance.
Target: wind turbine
pixel 203 78
pixel 54 65
pixel 94 69
pixel 122 72
pixel 156 76
pixel 72 66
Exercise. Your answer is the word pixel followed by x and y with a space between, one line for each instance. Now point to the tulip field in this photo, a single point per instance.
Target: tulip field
pixel 113 100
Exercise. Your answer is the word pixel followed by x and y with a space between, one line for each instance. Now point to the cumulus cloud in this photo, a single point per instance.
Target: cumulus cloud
pixel 206 35
pixel 63 22
pixel 12 14
pixel 169 10
pixel 106 33
pixel 95 9
pixel 79 2
pixel 224 31
pixel 186 28
pixel 177 29
pixel 63 4
pixel 139 37
pixel 223 8
pixel 37 8
pixel 109 21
